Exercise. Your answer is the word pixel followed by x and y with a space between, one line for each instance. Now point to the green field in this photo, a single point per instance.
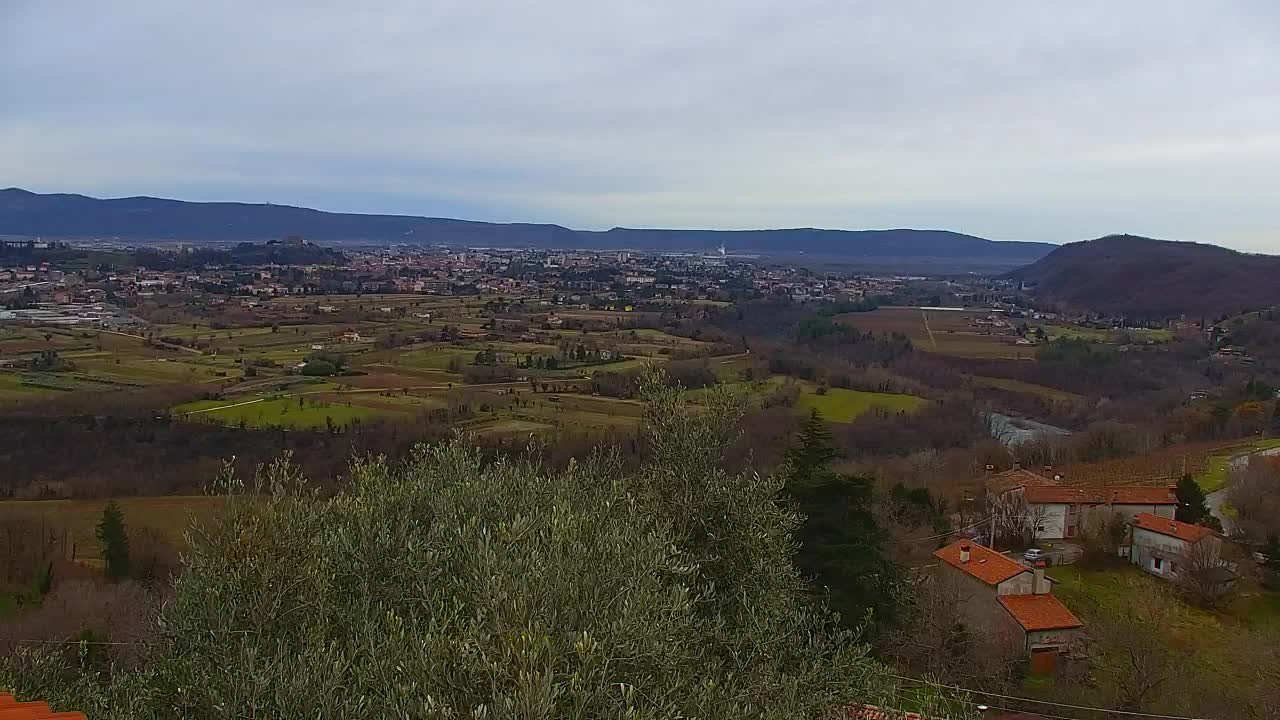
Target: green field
pixel 843 406
pixel 14 387
pixel 245 356
pixel 290 412
pixel 435 358
pixel 1077 332
pixel 1218 469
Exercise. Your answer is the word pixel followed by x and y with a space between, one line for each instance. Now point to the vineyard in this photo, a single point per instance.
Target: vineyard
pixel 1161 467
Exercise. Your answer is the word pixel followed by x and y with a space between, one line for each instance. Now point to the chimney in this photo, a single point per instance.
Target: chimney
pixel 1048 469
pixel 1017 465
pixel 1057 476
pixel 990 468
pixel 1039 583
pixel 964 553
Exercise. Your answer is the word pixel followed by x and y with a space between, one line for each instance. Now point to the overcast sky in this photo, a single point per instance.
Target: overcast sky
pixel 1012 120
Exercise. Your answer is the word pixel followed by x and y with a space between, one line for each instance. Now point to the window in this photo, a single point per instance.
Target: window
pixel 1157 563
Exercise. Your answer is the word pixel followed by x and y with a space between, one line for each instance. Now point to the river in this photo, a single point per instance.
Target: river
pixel 1013 431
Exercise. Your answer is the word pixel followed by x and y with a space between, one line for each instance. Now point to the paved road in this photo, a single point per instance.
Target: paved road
pixel 1215 500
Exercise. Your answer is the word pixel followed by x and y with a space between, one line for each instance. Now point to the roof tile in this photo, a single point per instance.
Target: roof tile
pixel 984 563
pixel 1172 528
pixel 1039 612
pixel 1102 495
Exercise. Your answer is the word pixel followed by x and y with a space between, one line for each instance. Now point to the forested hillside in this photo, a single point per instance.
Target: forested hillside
pixel 1145 279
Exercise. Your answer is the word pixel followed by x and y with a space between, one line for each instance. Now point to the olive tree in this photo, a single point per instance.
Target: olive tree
pixel 451 587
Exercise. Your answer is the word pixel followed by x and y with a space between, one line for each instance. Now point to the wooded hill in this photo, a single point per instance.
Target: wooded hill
pixel 1126 275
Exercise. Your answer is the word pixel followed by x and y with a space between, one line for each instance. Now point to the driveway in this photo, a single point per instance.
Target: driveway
pixel 1056 552
pixel 1061 552
pixel 1217 499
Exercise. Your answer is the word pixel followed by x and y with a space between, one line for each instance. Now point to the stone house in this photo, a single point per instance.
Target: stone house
pixel 1009 600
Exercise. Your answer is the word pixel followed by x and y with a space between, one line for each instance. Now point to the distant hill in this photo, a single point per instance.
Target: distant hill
pixel 25 213
pixel 1145 278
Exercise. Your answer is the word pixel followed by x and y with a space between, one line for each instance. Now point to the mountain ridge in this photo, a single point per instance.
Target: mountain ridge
pixel 25 213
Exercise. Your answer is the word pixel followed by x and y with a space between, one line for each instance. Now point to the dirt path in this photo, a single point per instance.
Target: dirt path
pixel 224 407
pixel 932 342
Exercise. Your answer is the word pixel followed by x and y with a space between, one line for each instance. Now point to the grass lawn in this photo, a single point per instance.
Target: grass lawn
pixel 1262 611
pixel 1218 469
pixel 842 406
pixel 1211 639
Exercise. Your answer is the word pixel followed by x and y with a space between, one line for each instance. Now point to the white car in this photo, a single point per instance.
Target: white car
pixel 1034 555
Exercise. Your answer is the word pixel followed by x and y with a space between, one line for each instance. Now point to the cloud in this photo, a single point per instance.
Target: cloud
pixel 1018 119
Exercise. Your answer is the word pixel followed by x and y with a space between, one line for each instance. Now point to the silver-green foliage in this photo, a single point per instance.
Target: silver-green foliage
pixel 452 587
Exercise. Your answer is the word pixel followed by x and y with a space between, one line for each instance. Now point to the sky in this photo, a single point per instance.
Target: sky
pixel 1014 120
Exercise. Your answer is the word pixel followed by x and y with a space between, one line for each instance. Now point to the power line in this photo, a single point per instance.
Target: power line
pixel 1086 708
pixel 1043 715
pixel 985 706
pixel 941 535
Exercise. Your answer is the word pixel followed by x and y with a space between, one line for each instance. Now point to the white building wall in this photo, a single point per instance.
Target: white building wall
pixel 1156 553
pixel 1051 520
pixel 1061 521
pixel 1020 584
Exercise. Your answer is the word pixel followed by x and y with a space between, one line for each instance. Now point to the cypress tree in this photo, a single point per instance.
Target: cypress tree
pixel 113 537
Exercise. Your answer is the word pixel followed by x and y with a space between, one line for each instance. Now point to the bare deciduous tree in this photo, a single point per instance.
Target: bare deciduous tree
pixel 937 642
pixel 28 547
pixel 1013 519
pixel 1102 533
pixel 1203 576
pixel 82 608
pixel 1142 664
pixel 1255 495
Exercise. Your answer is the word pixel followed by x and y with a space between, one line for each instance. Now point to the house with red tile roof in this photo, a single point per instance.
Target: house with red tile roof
pixel 1162 546
pixel 11 709
pixel 1064 512
pixel 1007 600
pixel 1056 511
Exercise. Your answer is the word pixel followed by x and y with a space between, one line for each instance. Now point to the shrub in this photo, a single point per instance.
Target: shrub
pixel 451 587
